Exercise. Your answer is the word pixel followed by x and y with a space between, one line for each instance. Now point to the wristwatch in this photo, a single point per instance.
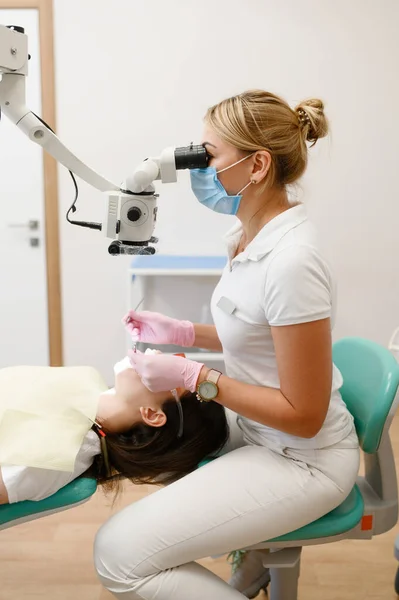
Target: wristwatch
pixel 208 390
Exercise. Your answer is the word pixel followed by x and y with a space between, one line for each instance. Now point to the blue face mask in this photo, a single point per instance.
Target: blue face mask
pixel 211 193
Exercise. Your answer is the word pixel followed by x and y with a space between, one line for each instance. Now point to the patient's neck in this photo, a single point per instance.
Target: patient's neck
pixel 115 414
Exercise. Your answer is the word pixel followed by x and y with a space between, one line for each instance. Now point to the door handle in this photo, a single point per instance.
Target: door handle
pixel 33 225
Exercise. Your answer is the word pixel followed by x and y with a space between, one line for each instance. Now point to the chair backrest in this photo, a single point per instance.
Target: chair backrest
pixel 371 378
pixel 74 493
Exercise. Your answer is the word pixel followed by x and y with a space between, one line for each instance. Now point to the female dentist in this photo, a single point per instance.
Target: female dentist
pixel 273 310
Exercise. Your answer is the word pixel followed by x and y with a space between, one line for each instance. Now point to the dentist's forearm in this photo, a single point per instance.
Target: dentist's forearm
pixel 264 405
pixel 207 337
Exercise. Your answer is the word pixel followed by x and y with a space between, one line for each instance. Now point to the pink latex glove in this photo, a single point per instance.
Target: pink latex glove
pixel 164 372
pixel 155 328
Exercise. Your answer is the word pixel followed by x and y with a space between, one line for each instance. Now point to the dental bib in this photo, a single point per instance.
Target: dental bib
pixel 45 413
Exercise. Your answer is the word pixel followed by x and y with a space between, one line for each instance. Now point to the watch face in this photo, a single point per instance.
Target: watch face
pixel 208 390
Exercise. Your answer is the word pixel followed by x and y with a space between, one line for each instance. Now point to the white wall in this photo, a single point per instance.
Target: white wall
pixel 134 77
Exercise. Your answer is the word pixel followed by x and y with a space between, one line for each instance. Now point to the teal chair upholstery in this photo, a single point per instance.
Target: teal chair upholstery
pixel 343 518
pixel 75 493
pixel 370 391
pixel 371 376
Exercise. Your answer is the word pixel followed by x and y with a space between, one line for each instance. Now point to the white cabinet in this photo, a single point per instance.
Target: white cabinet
pixel 185 270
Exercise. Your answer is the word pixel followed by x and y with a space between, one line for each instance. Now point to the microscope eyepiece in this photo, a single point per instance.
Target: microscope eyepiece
pixel 191 157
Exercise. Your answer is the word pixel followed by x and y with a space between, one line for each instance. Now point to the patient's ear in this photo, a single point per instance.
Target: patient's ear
pixel 154 418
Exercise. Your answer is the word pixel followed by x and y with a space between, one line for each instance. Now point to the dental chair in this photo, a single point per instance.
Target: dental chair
pixel 75 493
pixel 371 379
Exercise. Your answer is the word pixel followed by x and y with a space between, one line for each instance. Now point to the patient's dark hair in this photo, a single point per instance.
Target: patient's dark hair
pixel 146 454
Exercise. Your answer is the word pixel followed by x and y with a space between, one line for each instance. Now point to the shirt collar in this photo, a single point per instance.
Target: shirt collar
pixel 268 237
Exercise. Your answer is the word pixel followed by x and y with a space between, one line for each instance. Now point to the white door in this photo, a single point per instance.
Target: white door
pixel 23 291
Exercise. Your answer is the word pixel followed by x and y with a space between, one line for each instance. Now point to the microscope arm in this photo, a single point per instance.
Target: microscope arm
pixel 12 104
pixel 131 209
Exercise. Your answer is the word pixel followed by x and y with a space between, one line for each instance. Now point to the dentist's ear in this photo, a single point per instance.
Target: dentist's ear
pixel 261 166
pixel 151 417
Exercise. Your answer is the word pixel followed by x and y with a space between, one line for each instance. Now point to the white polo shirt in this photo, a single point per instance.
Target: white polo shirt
pixel 279 279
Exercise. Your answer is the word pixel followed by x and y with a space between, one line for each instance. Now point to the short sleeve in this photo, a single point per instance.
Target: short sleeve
pixel 298 287
pixel 29 483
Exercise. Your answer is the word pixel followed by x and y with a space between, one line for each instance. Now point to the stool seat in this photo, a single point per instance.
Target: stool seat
pixel 343 518
pixel 74 493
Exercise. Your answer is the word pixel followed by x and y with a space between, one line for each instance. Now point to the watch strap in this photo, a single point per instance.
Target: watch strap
pixel 213 376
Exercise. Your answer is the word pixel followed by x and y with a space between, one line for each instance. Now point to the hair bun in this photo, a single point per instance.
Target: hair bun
pixel 312 120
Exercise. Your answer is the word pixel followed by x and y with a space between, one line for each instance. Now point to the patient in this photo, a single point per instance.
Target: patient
pixel 144 442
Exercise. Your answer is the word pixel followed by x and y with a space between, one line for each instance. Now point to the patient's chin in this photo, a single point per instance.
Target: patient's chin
pixel 122 365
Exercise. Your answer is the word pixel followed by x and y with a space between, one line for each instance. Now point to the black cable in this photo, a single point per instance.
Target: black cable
pixel 72 208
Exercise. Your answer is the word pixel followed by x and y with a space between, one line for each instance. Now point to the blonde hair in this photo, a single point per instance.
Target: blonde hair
pixel 258 120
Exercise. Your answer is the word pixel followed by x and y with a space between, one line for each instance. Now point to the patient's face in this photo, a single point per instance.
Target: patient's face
pixel 132 390
pixel 130 402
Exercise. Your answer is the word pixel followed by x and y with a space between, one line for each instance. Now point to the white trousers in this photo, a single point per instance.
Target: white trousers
pixel 248 495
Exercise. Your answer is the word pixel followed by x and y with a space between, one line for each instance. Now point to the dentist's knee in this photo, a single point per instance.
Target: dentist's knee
pixel 110 560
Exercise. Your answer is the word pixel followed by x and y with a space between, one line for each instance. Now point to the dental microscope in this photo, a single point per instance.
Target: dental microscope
pixel 131 209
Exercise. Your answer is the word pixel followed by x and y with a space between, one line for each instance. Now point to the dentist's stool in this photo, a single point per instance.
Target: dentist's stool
pixel 75 493
pixel 393 346
pixel 371 379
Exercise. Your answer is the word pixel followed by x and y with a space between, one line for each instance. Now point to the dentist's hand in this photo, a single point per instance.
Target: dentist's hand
pixel 155 328
pixel 164 372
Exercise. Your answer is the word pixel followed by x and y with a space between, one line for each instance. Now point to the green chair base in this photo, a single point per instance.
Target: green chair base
pixel 75 492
